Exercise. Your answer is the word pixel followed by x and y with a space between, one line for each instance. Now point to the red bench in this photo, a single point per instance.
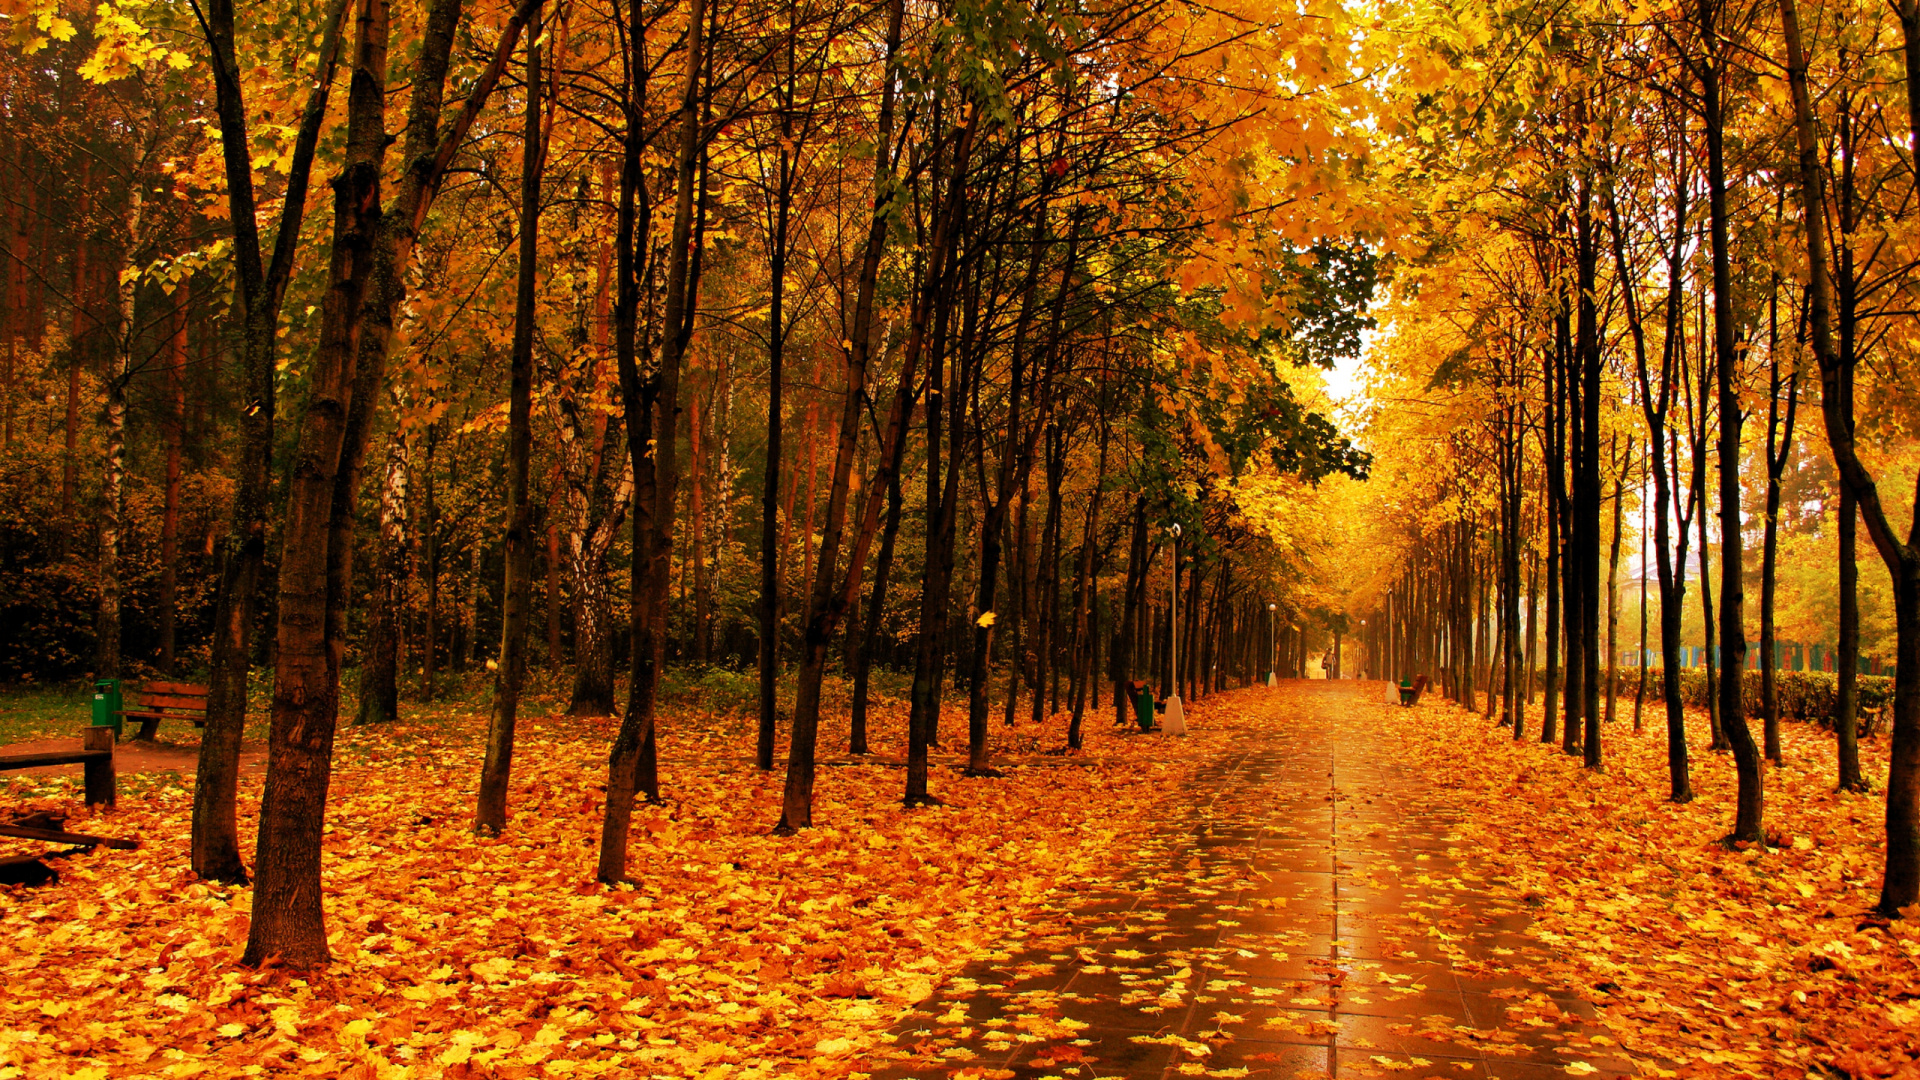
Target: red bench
pixel 157 701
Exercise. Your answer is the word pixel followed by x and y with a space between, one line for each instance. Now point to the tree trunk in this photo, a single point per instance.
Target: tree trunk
pixel 1046 610
pixel 1779 452
pixel 79 341
pixel 652 412
pixel 113 497
pixel 1671 551
pixel 175 432
pixel 372 247
pixel 516 594
pixel 1613 577
pixel 869 639
pixel 430 538
pixel 1022 574
pixel 769 608
pixel 1901 887
pixel 1552 435
pixel 943 486
pixel 1703 502
pixel 1846 708
pixel 256 318
pixel 1587 521
pixel 702 649
pixel 1748 822
pixel 827 604
pixel 1640 693
pixel 1016 460
pixel 379 654
pixel 1124 644
pixel 1083 589
pixel 288 918
pixel 554 577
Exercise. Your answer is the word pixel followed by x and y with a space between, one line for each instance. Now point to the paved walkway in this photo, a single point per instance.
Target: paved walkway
pixel 1303 913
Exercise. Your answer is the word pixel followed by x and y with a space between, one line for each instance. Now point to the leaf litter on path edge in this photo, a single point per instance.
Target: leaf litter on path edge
pixel 737 954
pixel 1701 961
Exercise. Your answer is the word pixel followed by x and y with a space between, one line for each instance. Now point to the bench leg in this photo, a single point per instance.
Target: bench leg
pixel 99 774
pixel 148 727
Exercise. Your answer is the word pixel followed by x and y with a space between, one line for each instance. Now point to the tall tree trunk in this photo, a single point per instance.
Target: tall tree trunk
pixel 372 247
pixel 1047 609
pixel 1016 459
pixel 430 538
pixel 516 594
pixel 1748 821
pixel 1021 571
pixel 869 639
pixel 380 645
pixel 1779 452
pixel 827 603
pixel 652 410
pixel 79 343
pixel 1124 645
pixel 175 433
pixel 1703 501
pixel 1553 438
pixel 254 334
pixel 1846 705
pixel 555 581
pixel 943 485
pixel 1587 523
pixel 1670 545
pixel 1901 886
pixel 591 535
pixel 1083 589
pixel 113 496
pixel 1613 577
pixel 769 607
pixel 1640 693
pixel 697 536
pixel 288 918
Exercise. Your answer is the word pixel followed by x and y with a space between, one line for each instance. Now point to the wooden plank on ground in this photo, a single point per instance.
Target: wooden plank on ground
pixel 54 757
pixel 60 836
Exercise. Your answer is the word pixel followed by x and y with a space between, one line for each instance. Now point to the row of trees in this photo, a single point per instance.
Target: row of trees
pixel 1033 285
pixel 1668 237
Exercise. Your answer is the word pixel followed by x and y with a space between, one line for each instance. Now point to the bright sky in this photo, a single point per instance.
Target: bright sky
pixel 1344 383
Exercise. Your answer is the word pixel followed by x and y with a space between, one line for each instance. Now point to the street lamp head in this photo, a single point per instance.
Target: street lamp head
pixel 1175 530
pixel 1273 607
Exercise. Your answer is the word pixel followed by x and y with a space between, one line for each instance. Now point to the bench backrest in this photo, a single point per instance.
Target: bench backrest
pixel 171 696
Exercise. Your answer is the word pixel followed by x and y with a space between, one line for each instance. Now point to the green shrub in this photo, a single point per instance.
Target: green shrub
pixel 1803 695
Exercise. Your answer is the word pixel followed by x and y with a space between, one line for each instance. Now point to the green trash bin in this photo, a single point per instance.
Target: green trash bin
pixel 1143 706
pixel 106 705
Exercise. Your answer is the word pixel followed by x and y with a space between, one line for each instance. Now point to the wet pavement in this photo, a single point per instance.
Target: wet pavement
pixel 1304 912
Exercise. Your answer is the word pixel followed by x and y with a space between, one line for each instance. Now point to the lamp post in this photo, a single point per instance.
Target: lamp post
pixel 1174 721
pixel 1273 641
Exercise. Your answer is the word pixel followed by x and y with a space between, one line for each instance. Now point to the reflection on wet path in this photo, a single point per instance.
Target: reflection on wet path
pixel 1304 911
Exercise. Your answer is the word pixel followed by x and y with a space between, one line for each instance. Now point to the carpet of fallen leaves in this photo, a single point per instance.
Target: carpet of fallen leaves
pixel 1714 962
pixel 738 953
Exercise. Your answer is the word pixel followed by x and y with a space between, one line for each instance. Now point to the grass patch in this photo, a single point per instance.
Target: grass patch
pixel 43 712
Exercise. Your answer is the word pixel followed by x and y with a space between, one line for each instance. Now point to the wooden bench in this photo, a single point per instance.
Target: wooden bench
pixel 95 756
pixel 157 701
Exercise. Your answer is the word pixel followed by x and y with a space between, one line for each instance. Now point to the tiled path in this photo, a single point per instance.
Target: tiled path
pixel 1302 913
